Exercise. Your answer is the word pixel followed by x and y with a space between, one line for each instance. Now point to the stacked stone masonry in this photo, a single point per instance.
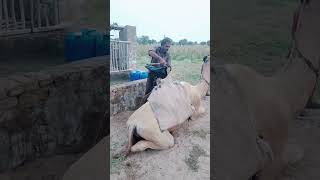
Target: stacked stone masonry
pixel 58 110
pixel 127 96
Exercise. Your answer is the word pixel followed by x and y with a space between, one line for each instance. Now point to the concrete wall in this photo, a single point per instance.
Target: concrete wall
pixel 53 111
pixel 79 14
pixel 45 44
pixel 126 96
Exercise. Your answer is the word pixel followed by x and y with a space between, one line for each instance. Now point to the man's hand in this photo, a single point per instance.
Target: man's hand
pixel 156 56
pixel 162 61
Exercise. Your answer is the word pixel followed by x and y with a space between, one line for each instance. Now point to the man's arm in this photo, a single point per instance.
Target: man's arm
pixel 156 56
pixel 169 60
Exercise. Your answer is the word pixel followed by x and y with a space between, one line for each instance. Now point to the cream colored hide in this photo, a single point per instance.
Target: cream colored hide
pixel 144 122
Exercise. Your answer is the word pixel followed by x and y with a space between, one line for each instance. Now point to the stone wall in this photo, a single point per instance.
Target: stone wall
pixel 55 111
pixel 126 96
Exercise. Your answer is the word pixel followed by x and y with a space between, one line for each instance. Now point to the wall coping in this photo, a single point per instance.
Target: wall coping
pixel 21 82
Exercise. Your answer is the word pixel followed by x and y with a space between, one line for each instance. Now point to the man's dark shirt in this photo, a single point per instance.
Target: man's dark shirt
pixel 164 55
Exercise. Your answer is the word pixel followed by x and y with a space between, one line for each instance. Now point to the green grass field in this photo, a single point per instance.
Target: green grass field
pixel 186 61
pixel 256 33
pixel 253 32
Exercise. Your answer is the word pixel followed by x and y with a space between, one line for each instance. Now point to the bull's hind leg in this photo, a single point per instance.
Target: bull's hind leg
pixel 162 141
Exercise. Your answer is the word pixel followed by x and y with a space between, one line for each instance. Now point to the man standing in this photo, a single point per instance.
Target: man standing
pixel 159 55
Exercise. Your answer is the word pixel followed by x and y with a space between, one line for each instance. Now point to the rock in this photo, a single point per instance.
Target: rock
pixel 11 87
pixel 8 103
pixel 26 83
pixel 30 99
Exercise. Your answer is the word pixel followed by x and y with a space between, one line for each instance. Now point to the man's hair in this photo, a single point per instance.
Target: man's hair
pixel 165 41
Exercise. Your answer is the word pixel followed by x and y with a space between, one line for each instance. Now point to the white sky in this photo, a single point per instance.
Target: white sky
pixel 176 19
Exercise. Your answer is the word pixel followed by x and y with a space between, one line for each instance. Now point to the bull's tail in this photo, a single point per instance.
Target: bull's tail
pixel 131 129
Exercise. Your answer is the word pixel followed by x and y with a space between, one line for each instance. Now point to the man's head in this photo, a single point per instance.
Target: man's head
pixel 166 44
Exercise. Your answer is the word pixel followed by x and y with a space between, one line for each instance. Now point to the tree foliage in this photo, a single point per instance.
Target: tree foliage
pixel 146 40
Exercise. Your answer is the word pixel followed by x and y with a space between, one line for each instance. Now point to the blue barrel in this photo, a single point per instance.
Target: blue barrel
pixel 89 43
pixel 80 45
pixel 134 75
pixel 143 75
pixel 102 44
pixel 73 43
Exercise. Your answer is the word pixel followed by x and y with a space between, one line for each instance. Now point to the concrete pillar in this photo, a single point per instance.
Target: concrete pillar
pixel 129 34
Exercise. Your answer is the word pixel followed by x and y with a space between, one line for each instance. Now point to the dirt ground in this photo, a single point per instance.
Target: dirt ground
pixel 305 132
pixel 188 159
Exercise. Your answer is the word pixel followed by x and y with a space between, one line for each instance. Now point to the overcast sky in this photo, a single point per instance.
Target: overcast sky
pixel 176 19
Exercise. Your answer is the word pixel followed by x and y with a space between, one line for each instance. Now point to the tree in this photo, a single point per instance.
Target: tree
pixel 190 43
pixel 183 42
pixel 153 41
pixel 144 40
pixel 203 43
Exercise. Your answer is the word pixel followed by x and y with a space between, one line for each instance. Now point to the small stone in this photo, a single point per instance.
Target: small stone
pixel 128 164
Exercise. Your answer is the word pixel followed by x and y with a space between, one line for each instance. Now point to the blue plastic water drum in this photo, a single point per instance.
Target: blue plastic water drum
pixel 102 44
pixel 80 45
pixel 134 75
pixel 143 75
pixel 73 43
pixel 89 42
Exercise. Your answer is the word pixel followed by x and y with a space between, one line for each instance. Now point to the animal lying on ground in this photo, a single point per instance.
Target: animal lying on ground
pixel 143 125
